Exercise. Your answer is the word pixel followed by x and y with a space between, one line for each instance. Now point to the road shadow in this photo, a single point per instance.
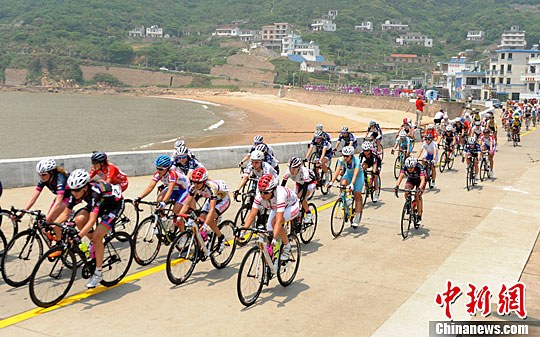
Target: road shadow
pixel 311 247
pixel 213 277
pixel 274 293
pixel 356 232
pixel 421 232
pixel 375 205
pixel 108 295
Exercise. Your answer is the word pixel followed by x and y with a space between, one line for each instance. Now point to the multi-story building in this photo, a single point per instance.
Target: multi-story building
pixel 331 14
pixel 272 35
pixel 298 50
pixel 137 31
pixel 154 31
pixel 323 25
pixel 364 27
pixel 227 30
pixel 461 78
pixel 509 73
pixel 250 35
pixel 531 76
pixel 414 39
pixel 513 38
pixel 476 35
pixel 393 25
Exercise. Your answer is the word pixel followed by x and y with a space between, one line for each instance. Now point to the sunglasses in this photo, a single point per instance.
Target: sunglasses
pixel 347 156
pixel 196 182
pixel 255 161
pixel 77 189
pixel 43 174
pixel 161 168
pixel 182 157
pixel 267 192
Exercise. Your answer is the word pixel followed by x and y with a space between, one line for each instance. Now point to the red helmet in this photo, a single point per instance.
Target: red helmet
pixel 267 183
pixel 199 175
pixel 404 120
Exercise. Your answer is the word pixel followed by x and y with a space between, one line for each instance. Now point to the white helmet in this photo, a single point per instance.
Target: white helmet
pixel 78 179
pixel 430 126
pixel 347 151
pixel 319 127
pixel 179 143
pixel 258 139
pixel 181 151
pixel 366 146
pixel 344 129
pixel 372 123
pixel 45 165
pixel 449 128
pixel 402 134
pixel 471 140
pixel 410 162
pixel 256 155
pixel 409 120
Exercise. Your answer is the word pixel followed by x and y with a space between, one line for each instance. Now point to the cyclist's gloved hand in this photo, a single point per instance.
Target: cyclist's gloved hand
pixel 77 240
pixel 419 190
pixel 241 164
pixel 329 184
pixel 161 205
pixel 137 200
pixel 350 187
pixel 235 193
pixel 392 152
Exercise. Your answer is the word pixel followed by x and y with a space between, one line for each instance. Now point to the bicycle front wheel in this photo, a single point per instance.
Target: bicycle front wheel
pixel 406 219
pixel 239 221
pixel 251 276
pixel 338 218
pixel 308 229
pixel 484 170
pixel 8 226
pixel 20 257
pixel 117 258
pixel 129 219
pixel 146 242
pixel 397 166
pixel 3 244
pixel 442 161
pixel 222 260
pixel 325 189
pixel 451 162
pixel 51 279
pixel 287 269
pixel 182 258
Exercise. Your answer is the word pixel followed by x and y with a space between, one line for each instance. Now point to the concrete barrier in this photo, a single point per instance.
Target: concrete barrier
pixel 22 172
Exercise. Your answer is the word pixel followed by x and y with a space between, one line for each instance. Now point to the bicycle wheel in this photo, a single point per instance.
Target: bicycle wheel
pixel 312 161
pixel 146 243
pixel 287 269
pixel 382 151
pixel 468 178
pixel 222 260
pixel 325 189
pixel 251 276
pixel 182 258
pixel 308 229
pixel 406 219
pixel 372 189
pixel 239 221
pixel 3 244
pixel 484 170
pixel 20 257
pixel 442 161
pixel 129 219
pixel 366 192
pixel 117 258
pixel 51 279
pixel 338 218
pixel 397 166
pixel 8 226
pixel 450 162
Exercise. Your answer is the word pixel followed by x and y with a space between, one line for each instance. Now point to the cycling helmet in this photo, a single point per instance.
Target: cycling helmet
pixel 344 129
pixel 98 157
pixel 78 179
pixel 266 183
pixel 318 134
pixel 449 128
pixel 366 146
pixel 348 150
pixel 487 131
pixel 45 165
pixel 295 162
pixel 163 161
pixel 319 127
pixel 402 134
pixel 516 116
pixel 471 140
pixel 257 139
pixel 372 123
pixel 410 162
pixel 409 120
pixel 179 143
pixel 181 151
pixel 430 127
pixel 199 175
pixel 260 147
pixel 428 137
pixel 477 123
pixel 404 120
pixel 256 155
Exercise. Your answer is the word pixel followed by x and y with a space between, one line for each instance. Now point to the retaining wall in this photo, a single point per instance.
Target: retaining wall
pixel 22 172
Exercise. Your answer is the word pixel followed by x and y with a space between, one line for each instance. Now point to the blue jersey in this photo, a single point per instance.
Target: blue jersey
pixel 348 139
pixel 319 146
pixel 404 145
pixel 189 166
pixel 350 167
pixel 472 149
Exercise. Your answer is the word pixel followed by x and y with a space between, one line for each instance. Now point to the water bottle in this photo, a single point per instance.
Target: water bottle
pixel 83 247
pixel 349 201
pixel 276 249
pixel 270 249
pixel 203 230
pixel 92 252
pixel 170 224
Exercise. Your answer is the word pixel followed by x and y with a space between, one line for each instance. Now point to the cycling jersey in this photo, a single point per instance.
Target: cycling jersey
pixel 319 146
pixel 265 169
pixel 477 130
pixel 212 189
pixel 376 131
pixel 448 137
pixel 404 144
pixel 349 172
pixel 268 154
pixel 348 139
pixel 326 136
pixel 516 124
pixel 283 198
pixel 459 127
pixel 430 150
pixel 57 184
pixel 433 133
pixel 406 127
pixel 371 161
pixel 487 141
pixel 415 174
pixel 303 176
pixel 188 167
pixel 473 150
pixel 178 177
pixel 101 197
pixel 112 173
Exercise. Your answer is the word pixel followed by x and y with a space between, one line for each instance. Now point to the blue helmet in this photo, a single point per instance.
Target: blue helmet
pixel 163 161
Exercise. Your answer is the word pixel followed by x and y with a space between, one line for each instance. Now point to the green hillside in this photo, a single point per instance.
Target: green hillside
pixel 59 34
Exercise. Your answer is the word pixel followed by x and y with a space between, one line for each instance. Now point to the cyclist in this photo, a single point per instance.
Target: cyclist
pixel 350 169
pixel 324 152
pixel 438 117
pixel 259 145
pixel 459 131
pixel 217 202
pixel 255 169
pixel 431 152
pixel 374 131
pixel 305 183
pixel 476 130
pixel 180 143
pixel 406 126
pixel 431 131
pixel 491 125
pixel 175 182
pixel 449 138
pixel 403 143
pixel 283 206
pixel 416 178
pixel 516 127
pixel 476 115
pixel 104 201
pixel 319 127
pixel 527 114
pixel 107 171
pixel 470 152
pixel 55 178
pixel 488 143
pixel 183 162
pixel 347 137
pixel 370 159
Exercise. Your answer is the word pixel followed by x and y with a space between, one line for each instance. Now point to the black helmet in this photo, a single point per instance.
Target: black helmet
pixel 98 157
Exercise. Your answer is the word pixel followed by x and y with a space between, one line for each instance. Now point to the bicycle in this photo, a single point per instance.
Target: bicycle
pixel 305 231
pixel 428 167
pixel 158 228
pixel 447 158
pixel 515 137
pixel 3 243
pixel 484 166
pixel 56 269
pixel 9 226
pixel 470 181
pixel 262 262
pixel 129 219
pixel 315 166
pixel 374 146
pixel 260 220
pixel 194 245
pixel 369 186
pixel 399 163
pixel 409 214
pixel 342 211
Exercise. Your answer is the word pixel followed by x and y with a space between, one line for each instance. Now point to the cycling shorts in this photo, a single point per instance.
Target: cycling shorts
pixel 221 206
pixel 359 183
pixel 109 216
pixel 290 213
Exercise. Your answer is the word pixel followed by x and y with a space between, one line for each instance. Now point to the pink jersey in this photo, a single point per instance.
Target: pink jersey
pixel 283 198
pixel 180 180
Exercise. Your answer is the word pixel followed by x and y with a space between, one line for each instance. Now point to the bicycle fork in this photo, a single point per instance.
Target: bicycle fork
pixel 267 258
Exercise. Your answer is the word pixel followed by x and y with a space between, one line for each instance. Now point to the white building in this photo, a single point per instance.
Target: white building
pixel 323 25
pixel 476 35
pixel 513 38
pixel 510 74
pixel 137 32
pixel 364 27
pixel 154 31
pixel 331 14
pixel 393 25
pixel 227 30
pixel 531 76
pixel 312 67
pixel 292 44
pixel 414 39
pixel 250 35
pixel 289 43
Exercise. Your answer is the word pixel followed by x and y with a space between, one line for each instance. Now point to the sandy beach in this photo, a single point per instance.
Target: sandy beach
pixel 287 120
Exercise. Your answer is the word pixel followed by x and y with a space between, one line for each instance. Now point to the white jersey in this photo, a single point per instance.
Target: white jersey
pixel 439 115
pixel 303 176
pixel 282 199
pixel 430 148
pixel 265 169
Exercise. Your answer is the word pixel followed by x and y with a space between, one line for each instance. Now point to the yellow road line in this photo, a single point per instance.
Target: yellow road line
pixel 91 292
pixel 531 130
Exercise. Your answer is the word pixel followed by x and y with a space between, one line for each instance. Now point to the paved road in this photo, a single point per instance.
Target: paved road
pixel 367 282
